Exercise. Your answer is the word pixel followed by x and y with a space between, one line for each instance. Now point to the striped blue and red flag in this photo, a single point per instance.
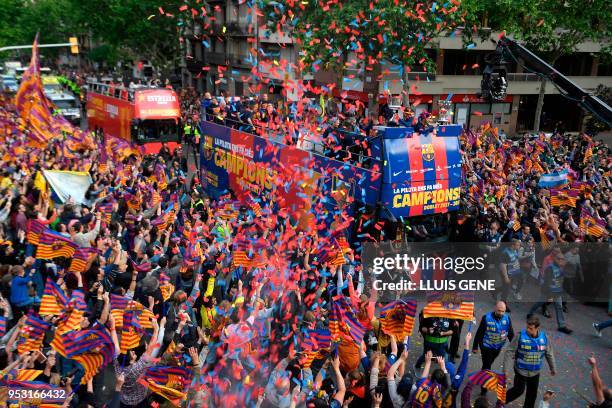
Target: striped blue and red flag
pixel 343 322
pixel 397 318
pixel 170 382
pixel 492 381
pixel 32 334
pixel 54 245
pixel 81 258
pixel 33 230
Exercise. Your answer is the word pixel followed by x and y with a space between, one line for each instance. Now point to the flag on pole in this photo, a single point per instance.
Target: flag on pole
pixel 343 322
pixel 32 104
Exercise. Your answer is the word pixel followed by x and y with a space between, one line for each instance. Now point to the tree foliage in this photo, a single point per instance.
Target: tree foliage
pixel 398 31
pixel 125 28
pixel 551 27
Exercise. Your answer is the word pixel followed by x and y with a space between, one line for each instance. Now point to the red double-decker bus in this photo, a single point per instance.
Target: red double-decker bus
pixel 144 116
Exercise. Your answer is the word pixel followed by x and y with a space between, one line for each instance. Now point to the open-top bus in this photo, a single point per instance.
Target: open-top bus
pixel 144 116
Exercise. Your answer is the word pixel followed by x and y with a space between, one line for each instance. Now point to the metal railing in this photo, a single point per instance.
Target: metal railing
pixel 523 77
pixel 421 76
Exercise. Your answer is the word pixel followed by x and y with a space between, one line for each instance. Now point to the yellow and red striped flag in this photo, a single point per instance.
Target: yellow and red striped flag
pixel 32 334
pixel 32 104
pixel 451 305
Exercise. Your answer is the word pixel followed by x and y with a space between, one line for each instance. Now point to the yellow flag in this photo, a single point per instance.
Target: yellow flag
pixel 39 182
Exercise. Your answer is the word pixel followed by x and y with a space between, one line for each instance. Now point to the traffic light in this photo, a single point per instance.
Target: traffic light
pixel 74 45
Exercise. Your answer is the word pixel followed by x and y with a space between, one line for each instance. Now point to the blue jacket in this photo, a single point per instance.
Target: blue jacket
pixel 19 290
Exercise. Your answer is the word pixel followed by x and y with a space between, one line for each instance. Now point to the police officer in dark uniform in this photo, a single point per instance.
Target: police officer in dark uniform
pixel 528 351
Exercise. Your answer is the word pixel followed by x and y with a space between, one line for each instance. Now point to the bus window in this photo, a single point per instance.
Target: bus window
pixel 166 130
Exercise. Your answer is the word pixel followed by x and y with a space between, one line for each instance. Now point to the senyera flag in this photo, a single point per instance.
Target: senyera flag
pixel 451 305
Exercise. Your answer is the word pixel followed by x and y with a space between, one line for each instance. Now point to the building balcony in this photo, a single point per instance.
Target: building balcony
pixel 240 61
pixel 237 29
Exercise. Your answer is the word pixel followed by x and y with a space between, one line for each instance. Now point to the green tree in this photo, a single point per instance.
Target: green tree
pixel 550 28
pixel 134 29
pixel 375 30
pixel 592 124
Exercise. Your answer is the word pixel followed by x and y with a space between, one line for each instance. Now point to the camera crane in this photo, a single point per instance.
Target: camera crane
pixel 494 82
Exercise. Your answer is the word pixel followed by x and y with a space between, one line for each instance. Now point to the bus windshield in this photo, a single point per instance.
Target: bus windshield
pixel 52 87
pixel 65 103
pixel 166 130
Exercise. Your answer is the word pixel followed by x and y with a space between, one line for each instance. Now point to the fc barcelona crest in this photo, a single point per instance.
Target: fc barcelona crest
pixel 208 147
pixel 451 301
pixel 427 150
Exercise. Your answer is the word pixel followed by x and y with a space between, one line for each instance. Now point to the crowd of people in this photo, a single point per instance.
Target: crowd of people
pixel 180 299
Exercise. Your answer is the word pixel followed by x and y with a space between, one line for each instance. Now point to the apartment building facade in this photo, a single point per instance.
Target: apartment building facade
pixel 227 60
pixel 239 50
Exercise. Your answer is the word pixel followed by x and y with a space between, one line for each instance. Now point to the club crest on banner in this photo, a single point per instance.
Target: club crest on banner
pixel 427 150
pixel 451 301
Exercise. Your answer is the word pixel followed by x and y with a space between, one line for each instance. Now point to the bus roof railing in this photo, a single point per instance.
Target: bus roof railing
pixel 118 91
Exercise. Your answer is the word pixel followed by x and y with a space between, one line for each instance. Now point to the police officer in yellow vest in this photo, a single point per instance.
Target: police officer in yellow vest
pixel 494 330
pixel 528 351
pixel 192 135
